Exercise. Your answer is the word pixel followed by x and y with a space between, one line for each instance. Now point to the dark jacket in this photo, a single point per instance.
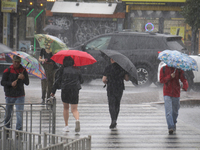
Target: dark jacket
pixel 71 79
pixel 9 75
pixel 171 85
pixel 115 76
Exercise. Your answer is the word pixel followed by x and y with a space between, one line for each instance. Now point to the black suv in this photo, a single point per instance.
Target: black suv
pixel 141 48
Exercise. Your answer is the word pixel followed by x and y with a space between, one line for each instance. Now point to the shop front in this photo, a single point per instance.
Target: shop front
pixel 158 16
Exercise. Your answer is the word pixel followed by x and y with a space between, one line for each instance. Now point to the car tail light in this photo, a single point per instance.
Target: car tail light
pixel 159 52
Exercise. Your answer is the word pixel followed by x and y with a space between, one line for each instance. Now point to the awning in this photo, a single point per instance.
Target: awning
pixel 83 7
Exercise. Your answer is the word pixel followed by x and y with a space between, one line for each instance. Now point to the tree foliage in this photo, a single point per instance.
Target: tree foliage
pixel 191 13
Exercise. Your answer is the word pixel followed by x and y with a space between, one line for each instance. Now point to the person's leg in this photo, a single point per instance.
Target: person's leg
pixel 50 79
pixel 175 109
pixel 9 110
pixel 44 84
pixel 112 109
pixel 112 104
pixel 168 111
pixel 74 111
pixel 118 101
pixel 19 112
pixel 66 113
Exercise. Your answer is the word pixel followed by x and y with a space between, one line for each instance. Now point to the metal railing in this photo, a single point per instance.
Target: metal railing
pixel 38 133
pixel 11 139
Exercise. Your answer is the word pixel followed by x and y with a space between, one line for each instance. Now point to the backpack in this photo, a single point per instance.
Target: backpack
pixel 58 77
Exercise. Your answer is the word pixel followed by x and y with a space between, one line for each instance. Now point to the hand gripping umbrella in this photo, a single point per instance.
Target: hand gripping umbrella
pixel 80 58
pixel 30 63
pixel 124 62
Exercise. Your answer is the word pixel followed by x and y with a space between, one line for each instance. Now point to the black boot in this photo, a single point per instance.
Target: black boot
pixel 43 101
pixel 113 124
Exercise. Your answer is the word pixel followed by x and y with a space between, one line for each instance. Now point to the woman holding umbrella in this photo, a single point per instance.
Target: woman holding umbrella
pixel 70 79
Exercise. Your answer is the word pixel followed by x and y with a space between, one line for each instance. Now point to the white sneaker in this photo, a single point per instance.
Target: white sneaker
pixel 77 128
pixel 66 129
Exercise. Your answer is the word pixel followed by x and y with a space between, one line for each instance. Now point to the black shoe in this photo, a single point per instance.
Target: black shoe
pixel 171 131
pixel 113 125
pixel 43 101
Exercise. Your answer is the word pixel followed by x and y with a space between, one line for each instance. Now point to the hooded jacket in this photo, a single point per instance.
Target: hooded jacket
pixel 171 85
pixel 68 78
pixel 9 75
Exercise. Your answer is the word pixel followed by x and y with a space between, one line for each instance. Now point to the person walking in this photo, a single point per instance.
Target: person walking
pixel 70 79
pixel 114 77
pixel 48 64
pixel 13 80
pixel 170 76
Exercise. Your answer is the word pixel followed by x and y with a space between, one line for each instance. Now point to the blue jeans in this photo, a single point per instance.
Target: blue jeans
pixel 19 101
pixel 172 105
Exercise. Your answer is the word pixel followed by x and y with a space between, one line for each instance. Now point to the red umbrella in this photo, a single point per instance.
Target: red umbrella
pixel 80 58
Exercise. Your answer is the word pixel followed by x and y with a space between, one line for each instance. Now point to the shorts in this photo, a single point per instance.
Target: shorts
pixel 70 96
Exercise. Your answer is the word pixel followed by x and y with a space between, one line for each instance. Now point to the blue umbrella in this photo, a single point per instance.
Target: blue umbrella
pixel 176 59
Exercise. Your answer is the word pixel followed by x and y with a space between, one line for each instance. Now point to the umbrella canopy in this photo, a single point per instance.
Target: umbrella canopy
pixel 50 42
pixel 124 62
pixel 5 49
pixel 176 59
pixel 80 58
pixel 30 63
pixel 54 29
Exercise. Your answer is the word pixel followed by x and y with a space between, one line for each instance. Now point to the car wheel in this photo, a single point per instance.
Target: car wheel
pixel 144 76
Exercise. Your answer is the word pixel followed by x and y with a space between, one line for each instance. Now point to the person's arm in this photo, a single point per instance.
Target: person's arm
pixel 163 77
pixel 41 54
pixel 26 78
pixel 104 79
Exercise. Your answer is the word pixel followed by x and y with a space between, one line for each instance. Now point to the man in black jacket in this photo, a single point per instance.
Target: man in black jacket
pixel 113 77
pixel 13 80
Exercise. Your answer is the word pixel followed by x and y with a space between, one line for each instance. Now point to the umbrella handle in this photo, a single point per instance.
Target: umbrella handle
pixel 174 70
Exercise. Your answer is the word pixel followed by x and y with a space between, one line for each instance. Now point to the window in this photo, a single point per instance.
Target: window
pixel 99 43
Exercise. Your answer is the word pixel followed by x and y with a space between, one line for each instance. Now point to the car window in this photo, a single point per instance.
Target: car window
pixel 148 43
pixel 176 45
pixel 99 43
pixel 123 42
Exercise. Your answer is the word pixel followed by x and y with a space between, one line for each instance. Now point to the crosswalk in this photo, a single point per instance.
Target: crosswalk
pixel 139 126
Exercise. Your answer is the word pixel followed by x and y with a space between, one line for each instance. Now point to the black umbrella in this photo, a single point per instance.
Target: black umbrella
pixel 124 62
pixel 54 29
pixel 5 49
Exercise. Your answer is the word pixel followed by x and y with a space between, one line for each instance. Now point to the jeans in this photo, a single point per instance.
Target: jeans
pixel 19 110
pixel 172 105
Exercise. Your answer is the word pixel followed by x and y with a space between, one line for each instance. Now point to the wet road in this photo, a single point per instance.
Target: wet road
pixel 132 95
pixel 140 126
